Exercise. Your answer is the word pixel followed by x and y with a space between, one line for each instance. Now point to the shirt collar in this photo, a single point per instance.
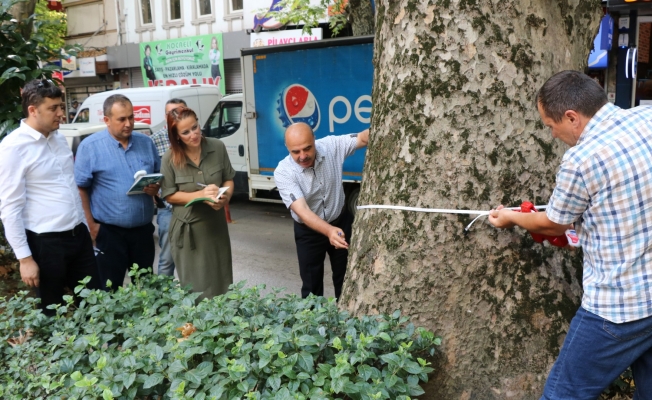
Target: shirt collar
pixel 603 114
pixel 131 139
pixel 33 133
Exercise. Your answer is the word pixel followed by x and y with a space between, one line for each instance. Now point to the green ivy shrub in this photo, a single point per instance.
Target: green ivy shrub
pixel 126 345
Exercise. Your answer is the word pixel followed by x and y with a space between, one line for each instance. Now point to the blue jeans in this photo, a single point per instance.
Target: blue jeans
pixel 165 260
pixel 595 353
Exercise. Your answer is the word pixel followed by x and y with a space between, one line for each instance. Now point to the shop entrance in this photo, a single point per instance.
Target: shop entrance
pixel 642 90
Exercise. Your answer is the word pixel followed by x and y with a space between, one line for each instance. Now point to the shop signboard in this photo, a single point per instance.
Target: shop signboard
pixel 289 36
pixel 599 56
pixel 184 61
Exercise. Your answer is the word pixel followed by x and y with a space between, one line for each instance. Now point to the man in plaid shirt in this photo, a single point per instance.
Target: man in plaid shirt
pixel 604 187
pixel 164 215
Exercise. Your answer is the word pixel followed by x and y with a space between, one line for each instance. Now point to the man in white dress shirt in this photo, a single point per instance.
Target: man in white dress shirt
pixel 309 180
pixel 40 205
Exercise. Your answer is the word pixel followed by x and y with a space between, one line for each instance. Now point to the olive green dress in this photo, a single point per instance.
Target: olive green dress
pixel 199 236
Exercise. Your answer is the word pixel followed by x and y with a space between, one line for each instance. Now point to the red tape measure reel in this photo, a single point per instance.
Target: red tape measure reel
pixel 559 241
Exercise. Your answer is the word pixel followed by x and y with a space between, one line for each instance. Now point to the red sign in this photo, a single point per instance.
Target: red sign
pixel 143 114
pixel 57 75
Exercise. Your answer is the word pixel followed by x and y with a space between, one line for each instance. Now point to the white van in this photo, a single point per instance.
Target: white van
pixel 75 133
pixel 149 103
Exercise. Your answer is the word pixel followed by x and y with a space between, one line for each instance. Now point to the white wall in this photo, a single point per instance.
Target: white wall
pixel 85 17
pixel 219 22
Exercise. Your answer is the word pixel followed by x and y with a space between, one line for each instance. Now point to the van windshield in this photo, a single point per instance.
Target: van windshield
pixel 82 116
pixel 224 120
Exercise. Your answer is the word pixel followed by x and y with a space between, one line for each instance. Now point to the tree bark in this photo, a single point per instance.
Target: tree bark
pixel 454 91
pixel 361 17
pixel 21 11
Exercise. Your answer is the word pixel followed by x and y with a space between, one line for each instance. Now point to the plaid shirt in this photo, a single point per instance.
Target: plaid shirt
pixel 161 141
pixel 320 185
pixel 604 185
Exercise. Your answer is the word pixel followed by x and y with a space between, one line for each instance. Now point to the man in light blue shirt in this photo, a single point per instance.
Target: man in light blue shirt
pixel 120 224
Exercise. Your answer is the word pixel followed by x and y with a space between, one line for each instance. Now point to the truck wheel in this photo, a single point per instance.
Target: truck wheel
pixel 352 200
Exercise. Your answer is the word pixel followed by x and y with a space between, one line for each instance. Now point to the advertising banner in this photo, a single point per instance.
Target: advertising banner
pixel 329 89
pixel 184 61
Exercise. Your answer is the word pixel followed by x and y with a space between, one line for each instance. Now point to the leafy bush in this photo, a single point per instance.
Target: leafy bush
pixel 152 340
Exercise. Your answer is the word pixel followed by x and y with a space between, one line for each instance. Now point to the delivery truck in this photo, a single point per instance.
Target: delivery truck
pixel 326 84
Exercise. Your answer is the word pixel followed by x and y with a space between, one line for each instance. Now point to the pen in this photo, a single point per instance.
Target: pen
pixel 201 184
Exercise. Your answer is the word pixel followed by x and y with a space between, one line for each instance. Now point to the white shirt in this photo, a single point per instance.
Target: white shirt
pixel 37 186
pixel 321 185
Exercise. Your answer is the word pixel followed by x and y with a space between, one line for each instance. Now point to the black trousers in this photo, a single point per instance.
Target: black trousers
pixel 64 259
pixel 312 247
pixel 120 248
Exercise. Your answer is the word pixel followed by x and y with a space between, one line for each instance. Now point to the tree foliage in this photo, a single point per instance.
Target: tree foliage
pixel 54 26
pixel 21 58
pixel 297 12
pixel 152 339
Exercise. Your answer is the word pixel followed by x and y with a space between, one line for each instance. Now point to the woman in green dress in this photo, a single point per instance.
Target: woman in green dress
pixel 196 167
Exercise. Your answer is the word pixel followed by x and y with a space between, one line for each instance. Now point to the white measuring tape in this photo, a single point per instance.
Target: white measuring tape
pixel 479 213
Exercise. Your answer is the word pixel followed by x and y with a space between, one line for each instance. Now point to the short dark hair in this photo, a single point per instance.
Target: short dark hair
pixel 176 100
pixel 35 92
pixel 148 47
pixel 111 100
pixel 571 90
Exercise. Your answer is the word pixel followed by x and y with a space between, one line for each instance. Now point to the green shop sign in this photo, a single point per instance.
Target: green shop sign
pixel 184 61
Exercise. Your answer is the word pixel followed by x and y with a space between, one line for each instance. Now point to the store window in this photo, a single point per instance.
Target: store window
pixel 174 10
pixel 204 8
pixel 233 9
pixel 145 12
pixel 235 6
pixel 145 19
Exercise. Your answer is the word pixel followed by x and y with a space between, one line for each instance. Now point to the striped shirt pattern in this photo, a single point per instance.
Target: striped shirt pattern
pixel 604 185
pixel 320 185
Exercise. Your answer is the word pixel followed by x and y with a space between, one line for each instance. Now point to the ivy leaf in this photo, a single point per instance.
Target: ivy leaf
pixel 307 340
pixel 159 353
pixel 391 359
pixel 264 358
pixel 193 376
pixel 384 336
pixel 107 394
pixel 153 380
pixel 129 380
pixel 176 366
pixel 274 382
pixel 306 361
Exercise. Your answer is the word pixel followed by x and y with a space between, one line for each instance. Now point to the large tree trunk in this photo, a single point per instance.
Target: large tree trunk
pixel 361 17
pixel 454 111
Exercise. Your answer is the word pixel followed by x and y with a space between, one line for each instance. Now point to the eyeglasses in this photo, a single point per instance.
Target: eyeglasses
pixel 44 83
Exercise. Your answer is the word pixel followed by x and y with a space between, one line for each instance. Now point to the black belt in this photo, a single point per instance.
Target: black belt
pixel 64 234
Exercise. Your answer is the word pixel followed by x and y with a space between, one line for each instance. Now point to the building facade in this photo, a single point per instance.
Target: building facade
pixel 111 31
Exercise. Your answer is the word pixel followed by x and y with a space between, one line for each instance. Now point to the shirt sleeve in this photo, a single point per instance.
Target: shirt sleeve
pixel 570 198
pixel 83 166
pixel 168 185
pixel 343 146
pixel 156 156
pixel 12 200
pixel 289 190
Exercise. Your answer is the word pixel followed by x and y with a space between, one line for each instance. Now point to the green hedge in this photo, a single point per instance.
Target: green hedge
pixel 126 345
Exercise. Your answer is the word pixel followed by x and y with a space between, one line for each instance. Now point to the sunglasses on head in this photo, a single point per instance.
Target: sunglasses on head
pixel 44 83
